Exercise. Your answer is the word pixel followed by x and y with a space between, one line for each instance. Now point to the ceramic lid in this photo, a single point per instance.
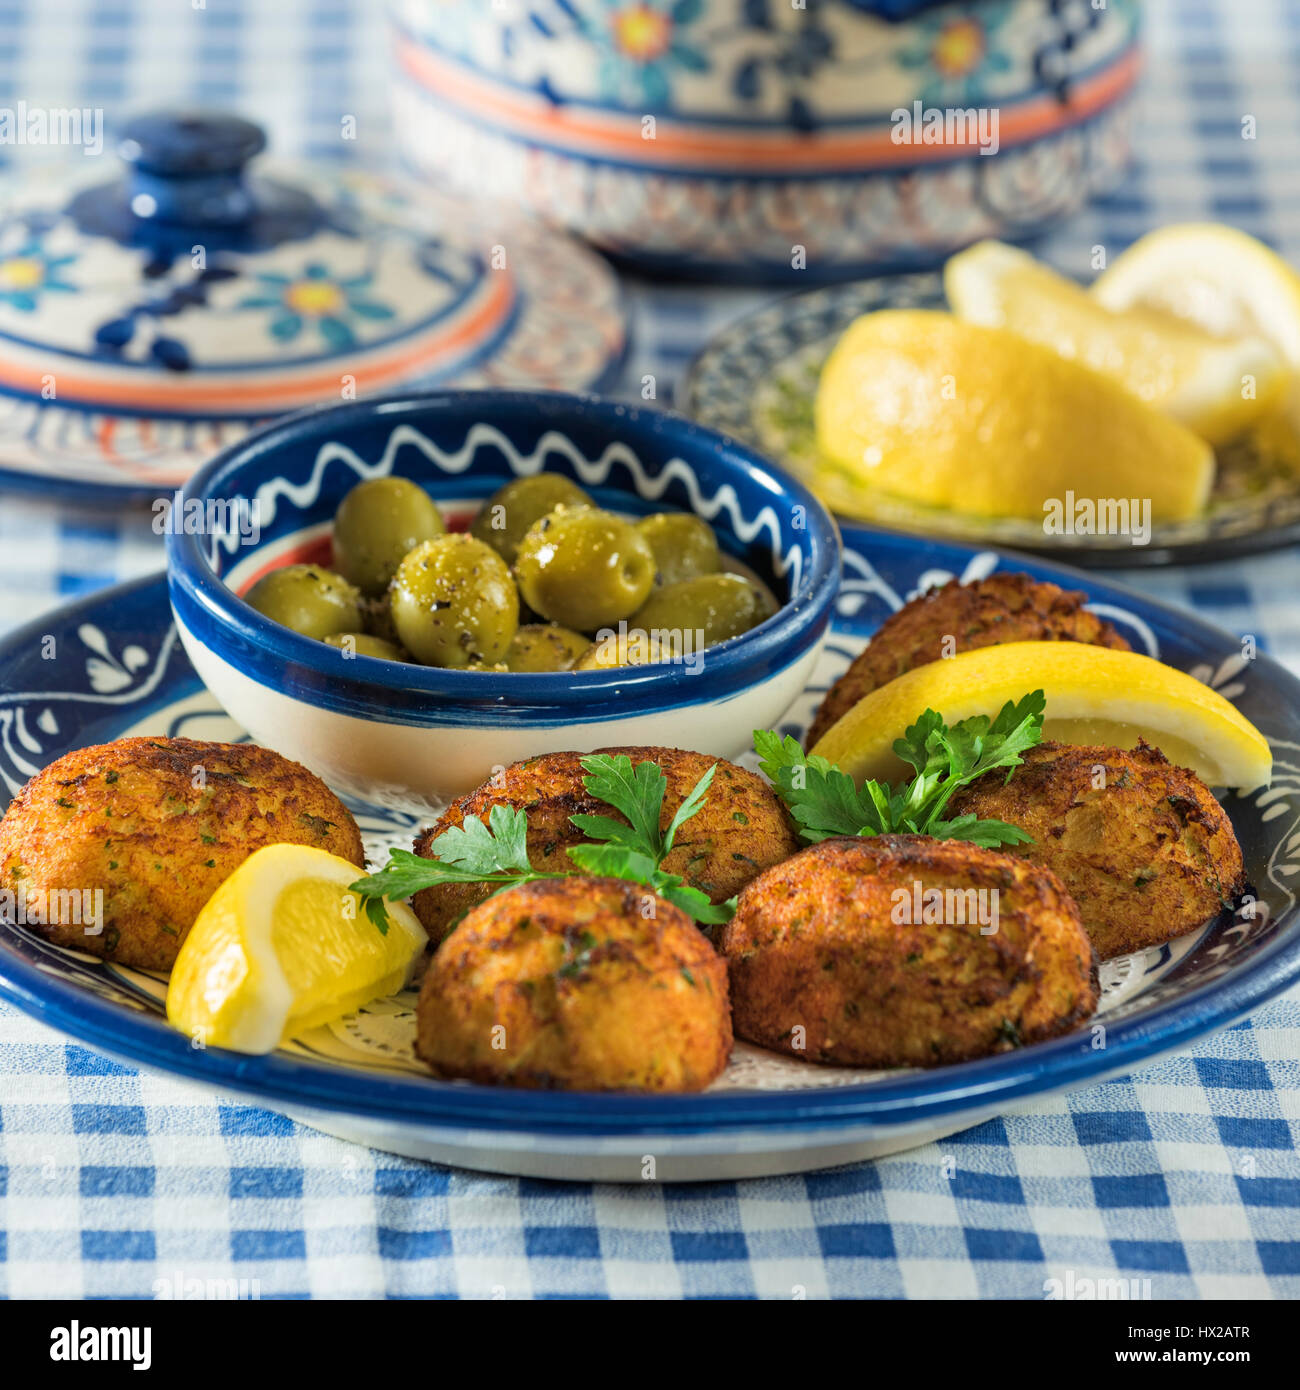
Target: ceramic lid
pixel 190 291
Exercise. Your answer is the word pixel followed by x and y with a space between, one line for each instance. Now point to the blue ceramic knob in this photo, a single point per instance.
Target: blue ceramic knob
pixel 189 168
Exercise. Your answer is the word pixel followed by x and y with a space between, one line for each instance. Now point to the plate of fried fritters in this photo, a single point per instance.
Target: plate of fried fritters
pixel 1147 909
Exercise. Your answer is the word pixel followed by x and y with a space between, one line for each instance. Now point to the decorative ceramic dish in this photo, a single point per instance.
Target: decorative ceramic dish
pixel 757 379
pixel 148 321
pixel 763 140
pixel 364 723
pixel 120 669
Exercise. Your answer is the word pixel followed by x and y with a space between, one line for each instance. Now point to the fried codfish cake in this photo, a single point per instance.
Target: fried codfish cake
pixel 741 829
pixel 587 984
pixel 901 950
pixel 1142 845
pixel 157 824
pixel 984 613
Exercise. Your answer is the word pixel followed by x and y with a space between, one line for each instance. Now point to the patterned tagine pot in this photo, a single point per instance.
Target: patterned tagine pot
pixel 772 139
pixel 148 321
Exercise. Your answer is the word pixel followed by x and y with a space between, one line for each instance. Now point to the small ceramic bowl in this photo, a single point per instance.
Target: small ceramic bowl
pixel 760 139
pixel 382 729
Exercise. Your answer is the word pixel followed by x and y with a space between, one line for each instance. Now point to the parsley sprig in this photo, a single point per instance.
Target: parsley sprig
pixel 497 853
pixel 826 802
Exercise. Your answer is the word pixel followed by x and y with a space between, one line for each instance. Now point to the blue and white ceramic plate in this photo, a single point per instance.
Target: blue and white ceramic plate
pixel 757 379
pixel 111 665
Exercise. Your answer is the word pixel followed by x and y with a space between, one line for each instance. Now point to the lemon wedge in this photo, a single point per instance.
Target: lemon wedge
pixel 283 946
pixel 1218 387
pixel 1220 279
pixel 1094 696
pixel 922 405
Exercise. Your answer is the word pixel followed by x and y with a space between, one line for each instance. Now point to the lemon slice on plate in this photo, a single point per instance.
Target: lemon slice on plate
pixel 1218 278
pixel 919 404
pixel 1217 386
pixel 1094 696
pixel 283 946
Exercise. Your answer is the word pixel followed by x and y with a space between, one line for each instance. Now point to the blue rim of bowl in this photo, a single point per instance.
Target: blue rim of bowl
pixel 297 1084
pixel 400 692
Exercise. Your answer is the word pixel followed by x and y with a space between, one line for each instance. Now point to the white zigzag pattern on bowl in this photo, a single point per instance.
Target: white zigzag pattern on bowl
pixel 591 471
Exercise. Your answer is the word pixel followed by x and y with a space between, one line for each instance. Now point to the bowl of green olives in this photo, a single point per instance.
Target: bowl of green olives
pixel 406 593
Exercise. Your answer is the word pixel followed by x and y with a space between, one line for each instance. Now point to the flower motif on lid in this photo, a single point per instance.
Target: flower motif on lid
pixel 315 298
pixel 955 50
pixel 641 43
pixel 27 273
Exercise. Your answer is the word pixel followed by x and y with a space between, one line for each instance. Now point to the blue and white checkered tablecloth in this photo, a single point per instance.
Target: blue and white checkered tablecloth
pixel 1184 1174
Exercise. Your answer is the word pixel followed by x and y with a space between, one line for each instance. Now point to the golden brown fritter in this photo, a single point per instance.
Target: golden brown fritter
pixel 588 984
pixel 741 829
pixel 832 958
pixel 157 824
pixel 984 613
pixel 1142 845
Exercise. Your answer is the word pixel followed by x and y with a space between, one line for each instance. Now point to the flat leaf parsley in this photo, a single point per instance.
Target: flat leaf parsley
pixel 826 802
pixel 633 848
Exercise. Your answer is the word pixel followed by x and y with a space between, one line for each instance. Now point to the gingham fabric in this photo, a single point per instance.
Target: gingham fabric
pixel 113 1183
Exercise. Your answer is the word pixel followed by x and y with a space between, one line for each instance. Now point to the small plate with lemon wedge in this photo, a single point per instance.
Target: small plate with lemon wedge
pixel 1150 418
pixel 350 1067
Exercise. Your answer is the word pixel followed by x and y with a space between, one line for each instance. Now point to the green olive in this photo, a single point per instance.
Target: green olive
pixel 633 649
pixel 308 599
pixel 684 546
pixel 584 568
pixel 545 647
pixel 376 524
pixel 599 656
pixel 454 603
pixel 512 509
pixel 362 644
pixel 702 612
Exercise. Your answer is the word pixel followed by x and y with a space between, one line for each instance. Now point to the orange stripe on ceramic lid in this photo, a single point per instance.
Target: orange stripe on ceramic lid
pixel 289 389
pixel 528 114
